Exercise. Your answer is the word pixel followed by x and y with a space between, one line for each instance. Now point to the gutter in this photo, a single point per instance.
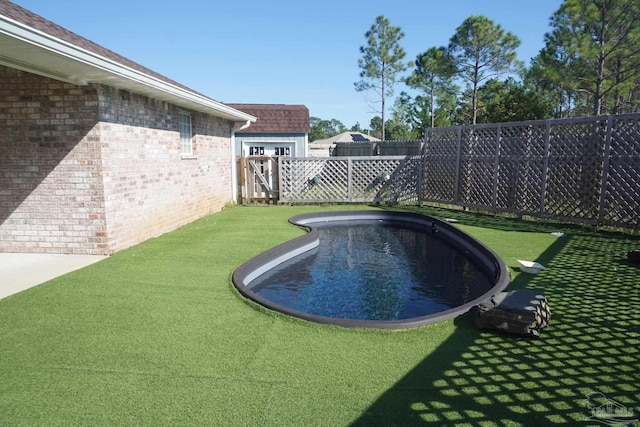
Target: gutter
pixel 108 71
pixel 234 164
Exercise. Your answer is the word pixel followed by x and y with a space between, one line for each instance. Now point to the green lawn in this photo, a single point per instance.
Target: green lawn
pixel 157 335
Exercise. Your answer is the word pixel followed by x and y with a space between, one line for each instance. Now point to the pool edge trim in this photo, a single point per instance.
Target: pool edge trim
pixel 273 257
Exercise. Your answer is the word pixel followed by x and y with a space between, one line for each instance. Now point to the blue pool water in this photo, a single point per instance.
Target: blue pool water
pixel 375 270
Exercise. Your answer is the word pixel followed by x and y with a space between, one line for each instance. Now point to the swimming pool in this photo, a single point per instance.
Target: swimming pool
pixel 376 269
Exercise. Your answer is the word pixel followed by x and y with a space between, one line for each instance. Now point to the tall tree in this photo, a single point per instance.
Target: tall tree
pixel 548 73
pixel 376 127
pixel 382 61
pixel 511 101
pixel 403 124
pixel 322 129
pixel 600 42
pixel 403 110
pixel 421 114
pixel 432 75
pixel 356 128
pixel 482 50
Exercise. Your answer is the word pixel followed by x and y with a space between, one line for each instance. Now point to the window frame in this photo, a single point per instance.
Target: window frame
pixel 185 129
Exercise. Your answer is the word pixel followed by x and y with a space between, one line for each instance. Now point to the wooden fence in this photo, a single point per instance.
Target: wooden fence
pixel 400 147
pixel 257 179
pixel 583 170
pixel 350 179
pixel 344 149
pixel 378 148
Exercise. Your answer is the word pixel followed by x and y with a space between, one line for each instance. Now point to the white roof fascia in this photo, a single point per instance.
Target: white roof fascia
pixel 113 69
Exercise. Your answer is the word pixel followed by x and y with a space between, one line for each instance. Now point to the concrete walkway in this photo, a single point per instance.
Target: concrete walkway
pixel 21 271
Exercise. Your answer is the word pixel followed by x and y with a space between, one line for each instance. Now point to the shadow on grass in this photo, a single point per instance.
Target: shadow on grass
pixel 483 378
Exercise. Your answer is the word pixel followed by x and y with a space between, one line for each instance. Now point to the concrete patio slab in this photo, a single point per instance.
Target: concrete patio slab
pixel 19 271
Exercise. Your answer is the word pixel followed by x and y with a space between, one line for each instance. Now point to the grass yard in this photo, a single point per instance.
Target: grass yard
pixel 157 335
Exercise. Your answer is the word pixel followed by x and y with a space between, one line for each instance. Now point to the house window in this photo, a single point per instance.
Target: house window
pixel 186 136
pixel 283 151
pixel 256 151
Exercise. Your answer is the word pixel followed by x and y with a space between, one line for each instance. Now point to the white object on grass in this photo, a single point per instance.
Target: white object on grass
pixel 530 266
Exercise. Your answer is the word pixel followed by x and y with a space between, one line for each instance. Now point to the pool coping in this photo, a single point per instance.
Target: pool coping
pixel 273 257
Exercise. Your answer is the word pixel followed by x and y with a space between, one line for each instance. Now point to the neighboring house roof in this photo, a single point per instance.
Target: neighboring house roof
pixel 31 43
pixel 276 118
pixel 348 136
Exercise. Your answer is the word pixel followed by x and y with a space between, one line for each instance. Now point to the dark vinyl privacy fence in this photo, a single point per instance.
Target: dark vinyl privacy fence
pixel 583 170
pixel 378 148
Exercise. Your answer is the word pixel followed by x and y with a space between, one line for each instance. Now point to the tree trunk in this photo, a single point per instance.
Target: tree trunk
pixel 474 100
pixel 383 96
pixel 597 95
pixel 432 107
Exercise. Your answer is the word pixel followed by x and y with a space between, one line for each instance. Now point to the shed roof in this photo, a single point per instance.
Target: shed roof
pixel 276 118
pixel 31 43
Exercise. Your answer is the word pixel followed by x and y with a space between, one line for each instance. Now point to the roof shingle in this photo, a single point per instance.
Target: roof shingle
pixel 30 19
pixel 276 118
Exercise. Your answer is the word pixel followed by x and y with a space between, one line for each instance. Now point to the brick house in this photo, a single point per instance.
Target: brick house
pixel 98 153
pixel 280 130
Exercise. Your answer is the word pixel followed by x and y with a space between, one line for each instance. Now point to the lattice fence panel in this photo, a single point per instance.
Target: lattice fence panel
pixel 520 173
pixel 314 180
pixel 386 179
pixel 331 184
pixel 353 179
pixel 585 170
pixel 439 182
pixel 621 197
pixel 296 176
pixel 439 172
pixel 369 176
pixel 575 169
pixel 478 154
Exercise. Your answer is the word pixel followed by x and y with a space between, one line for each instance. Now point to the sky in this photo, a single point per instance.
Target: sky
pixel 282 51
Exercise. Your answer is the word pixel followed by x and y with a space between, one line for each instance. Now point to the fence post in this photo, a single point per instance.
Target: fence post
pixel 545 165
pixel 456 190
pixel 244 182
pixel 496 165
pixel 421 166
pixel 349 179
pixel 605 169
pixel 420 177
pixel 280 186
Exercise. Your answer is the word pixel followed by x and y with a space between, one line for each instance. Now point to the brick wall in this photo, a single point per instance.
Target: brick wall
pixel 50 171
pixel 149 188
pixel 92 169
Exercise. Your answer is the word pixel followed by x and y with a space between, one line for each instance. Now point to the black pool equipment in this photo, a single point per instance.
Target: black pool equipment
pixel 523 312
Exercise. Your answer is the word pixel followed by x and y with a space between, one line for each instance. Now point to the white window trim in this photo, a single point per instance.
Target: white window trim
pixel 186 147
pixel 247 142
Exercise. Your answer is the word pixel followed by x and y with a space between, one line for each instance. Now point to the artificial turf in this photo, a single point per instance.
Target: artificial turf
pixel 157 335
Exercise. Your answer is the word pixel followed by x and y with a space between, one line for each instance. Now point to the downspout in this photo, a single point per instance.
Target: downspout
pixel 234 165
